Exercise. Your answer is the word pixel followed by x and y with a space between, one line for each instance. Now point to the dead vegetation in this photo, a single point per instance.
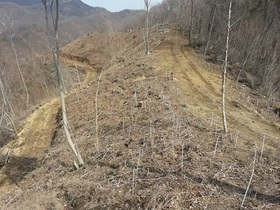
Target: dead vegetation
pixel 160 139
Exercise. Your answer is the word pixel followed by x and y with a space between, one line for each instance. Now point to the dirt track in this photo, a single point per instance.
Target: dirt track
pixel 201 83
pixel 38 130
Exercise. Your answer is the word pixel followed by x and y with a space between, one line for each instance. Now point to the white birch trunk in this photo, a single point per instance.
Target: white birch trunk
pixel 225 72
pixel 147 5
pixel 55 53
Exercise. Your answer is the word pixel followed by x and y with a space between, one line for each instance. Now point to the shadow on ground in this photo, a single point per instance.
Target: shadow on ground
pixel 224 185
pixel 17 169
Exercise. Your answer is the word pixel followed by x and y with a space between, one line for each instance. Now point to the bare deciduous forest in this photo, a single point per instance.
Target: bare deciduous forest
pixel 254 44
pixel 176 106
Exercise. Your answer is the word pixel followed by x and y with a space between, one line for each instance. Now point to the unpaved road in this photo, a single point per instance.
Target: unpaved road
pixel 202 87
pixel 198 83
pixel 38 130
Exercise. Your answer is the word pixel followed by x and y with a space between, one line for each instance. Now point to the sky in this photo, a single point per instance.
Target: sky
pixel 118 5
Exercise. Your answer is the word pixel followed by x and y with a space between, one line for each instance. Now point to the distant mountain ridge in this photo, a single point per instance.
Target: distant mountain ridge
pixel 23 2
pixel 73 8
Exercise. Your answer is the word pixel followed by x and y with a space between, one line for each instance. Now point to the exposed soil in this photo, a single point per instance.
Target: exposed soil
pixel 161 144
pixel 200 82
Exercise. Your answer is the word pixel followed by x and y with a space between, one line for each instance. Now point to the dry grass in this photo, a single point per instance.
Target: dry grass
pixel 157 137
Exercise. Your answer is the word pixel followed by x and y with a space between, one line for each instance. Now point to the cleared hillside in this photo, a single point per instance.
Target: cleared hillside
pixel 161 139
pixel 22 27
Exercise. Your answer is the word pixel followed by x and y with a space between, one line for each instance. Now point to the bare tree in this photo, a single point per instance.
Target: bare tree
pixel 256 35
pixel 211 28
pixel 97 110
pixel 7 112
pixel 55 52
pixel 225 70
pixel 7 23
pixel 108 29
pixel 147 7
pixel 248 54
pixel 191 23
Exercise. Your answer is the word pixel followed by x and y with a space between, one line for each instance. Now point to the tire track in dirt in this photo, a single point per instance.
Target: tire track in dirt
pixel 83 63
pixel 30 144
pixel 38 130
pixel 195 70
pixel 201 88
pixel 232 116
pixel 176 60
pixel 185 72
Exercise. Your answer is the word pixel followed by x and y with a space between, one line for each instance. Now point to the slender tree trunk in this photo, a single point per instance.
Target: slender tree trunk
pixel 211 29
pixel 20 71
pixel 55 53
pixel 6 100
pixel 7 23
pixel 7 109
pixel 191 24
pixel 246 58
pixel 97 111
pixel 225 71
pixel 147 5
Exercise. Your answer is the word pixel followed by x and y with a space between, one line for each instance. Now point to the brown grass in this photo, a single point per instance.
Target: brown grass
pixel 157 136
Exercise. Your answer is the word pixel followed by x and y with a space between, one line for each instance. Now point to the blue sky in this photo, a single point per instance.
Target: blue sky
pixel 118 5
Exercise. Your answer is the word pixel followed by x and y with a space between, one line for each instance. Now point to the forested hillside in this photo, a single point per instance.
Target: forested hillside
pixel 254 39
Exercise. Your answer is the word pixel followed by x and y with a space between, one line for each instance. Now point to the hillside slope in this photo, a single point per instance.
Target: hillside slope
pixel 67 8
pixel 23 37
pixel 161 144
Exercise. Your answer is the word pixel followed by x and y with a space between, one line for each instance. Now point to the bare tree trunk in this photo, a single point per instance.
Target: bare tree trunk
pixel 20 72
pixel 6 100
pixel 191 24
pixel 246 58
pixel 7 24
pixel 97 111
pixel 7 109
pixel 211 29
pixel 55 53
pixel 147 5
pixel 225 71
pixel 108 30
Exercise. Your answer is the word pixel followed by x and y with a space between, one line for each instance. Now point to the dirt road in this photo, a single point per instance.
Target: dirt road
pixel 198 81
pixel 37 133
pixel 202 85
